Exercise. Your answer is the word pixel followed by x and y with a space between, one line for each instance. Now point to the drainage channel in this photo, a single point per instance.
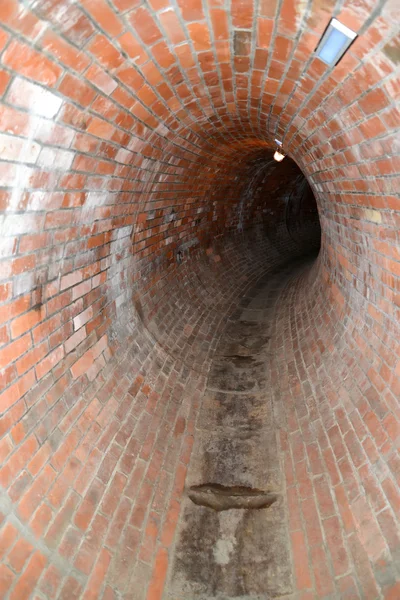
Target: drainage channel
pixel 232 540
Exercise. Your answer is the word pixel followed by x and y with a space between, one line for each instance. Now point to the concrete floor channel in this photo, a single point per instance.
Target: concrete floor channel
pixel 233 537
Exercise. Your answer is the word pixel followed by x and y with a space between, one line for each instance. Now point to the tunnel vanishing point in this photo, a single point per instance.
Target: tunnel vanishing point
pixel 199 345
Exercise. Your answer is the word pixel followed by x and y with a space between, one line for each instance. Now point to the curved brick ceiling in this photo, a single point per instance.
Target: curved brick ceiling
pixel 140 208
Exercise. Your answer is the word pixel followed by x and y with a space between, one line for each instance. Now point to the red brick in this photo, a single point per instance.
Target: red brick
pixel 18 460
pixel 99 573
pixel 82 365
pixel 21 482
pixel 323 578
pixel 6 447
pixel 104 16
pixel 27 581
pixel 363 568
pixel 64 52
pixel 141 505
pixel 91 546
pixel 311 520
pixel 41 520
pixel 28 503
pixel 14 350
pixel 144 25
pixel 4 81
pixel 71 589
pixel 344 508
pixel 336 546
pixel 348 587
pixel 392 494
pixel 19 554
pixel 301 565
pixel 149 542
pixel 6 579
pixel 49 362
pixel 88 507
pixel 113 495
pixel 393 592
pixel 8 535
pixel 119 521
pixel 30 63
pixel 324 497
pixel 39 459
pixel 374 101
pixel 32 357
pixel 159 574
pixel 62 521
pixel 50 582
pixel 88 471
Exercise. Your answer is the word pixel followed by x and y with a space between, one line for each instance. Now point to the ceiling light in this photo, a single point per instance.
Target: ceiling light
pixel 278 142
pixel 334 42
pixel 279 156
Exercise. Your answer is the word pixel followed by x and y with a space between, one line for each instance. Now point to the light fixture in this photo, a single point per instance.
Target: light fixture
pixel 334 42
pixel 279 156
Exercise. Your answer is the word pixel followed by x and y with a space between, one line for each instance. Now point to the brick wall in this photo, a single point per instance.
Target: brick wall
pixel 138 202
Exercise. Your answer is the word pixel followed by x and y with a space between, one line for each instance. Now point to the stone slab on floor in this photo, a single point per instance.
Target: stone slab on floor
pixel 231 554
pixel 222 409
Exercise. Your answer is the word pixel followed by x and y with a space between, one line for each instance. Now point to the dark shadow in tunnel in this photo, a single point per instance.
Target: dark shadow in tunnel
pixel 279 196
pixel 301 217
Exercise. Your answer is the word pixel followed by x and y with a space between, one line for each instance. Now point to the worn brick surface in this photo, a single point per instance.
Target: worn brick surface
pixel 139 203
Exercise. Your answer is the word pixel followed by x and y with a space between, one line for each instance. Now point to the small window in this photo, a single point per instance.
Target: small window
pixel 335 41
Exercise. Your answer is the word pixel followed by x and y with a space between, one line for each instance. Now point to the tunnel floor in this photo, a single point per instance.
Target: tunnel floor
pixel 238 552
pixel 264 428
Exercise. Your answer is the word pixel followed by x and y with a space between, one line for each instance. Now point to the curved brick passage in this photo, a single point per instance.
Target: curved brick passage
pixel 141 215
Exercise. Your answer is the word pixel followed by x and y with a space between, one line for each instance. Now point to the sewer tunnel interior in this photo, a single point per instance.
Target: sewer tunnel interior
pixel 199 355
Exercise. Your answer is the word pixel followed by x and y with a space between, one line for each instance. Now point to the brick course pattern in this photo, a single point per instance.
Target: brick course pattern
pixel 139 202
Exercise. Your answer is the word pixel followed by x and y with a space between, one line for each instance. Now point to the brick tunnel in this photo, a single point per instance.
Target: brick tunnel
pixel 199 346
